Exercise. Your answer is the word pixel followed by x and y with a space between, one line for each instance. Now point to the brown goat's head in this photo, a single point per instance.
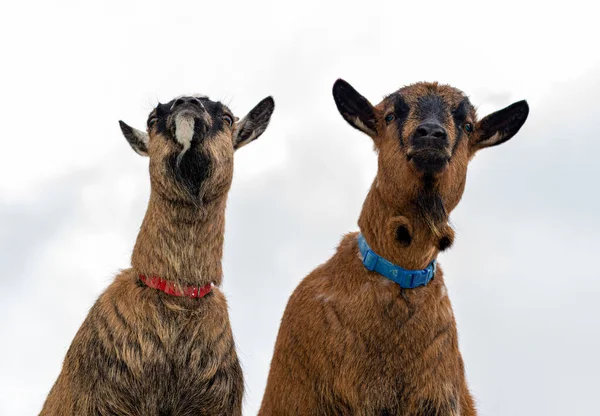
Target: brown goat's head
pixel 191 141
pixel 425 135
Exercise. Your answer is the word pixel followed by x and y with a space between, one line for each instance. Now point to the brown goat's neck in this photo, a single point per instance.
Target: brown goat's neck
pixel 378 224
pixel 181 242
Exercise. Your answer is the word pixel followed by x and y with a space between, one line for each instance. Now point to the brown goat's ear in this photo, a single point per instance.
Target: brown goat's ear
pixel 498 127
pixel 138 140
pixel 254 124
pixel 355 108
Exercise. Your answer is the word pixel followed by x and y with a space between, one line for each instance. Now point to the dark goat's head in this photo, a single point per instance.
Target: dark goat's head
pixel 191 140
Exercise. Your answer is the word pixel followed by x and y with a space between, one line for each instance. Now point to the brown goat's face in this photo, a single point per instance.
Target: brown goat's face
pixel 428 122
pixel 425 134
pixel 191 141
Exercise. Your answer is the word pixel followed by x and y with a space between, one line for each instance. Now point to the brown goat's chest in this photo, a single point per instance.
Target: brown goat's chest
pixel 355 343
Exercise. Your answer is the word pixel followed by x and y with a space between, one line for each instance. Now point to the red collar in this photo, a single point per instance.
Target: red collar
pixel 170 288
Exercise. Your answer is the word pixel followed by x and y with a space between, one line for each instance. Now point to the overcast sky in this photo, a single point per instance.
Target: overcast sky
pixel 521 275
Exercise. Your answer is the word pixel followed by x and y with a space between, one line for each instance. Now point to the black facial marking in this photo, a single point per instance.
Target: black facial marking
pixel 432 107
pixel 401 110
pixel 216 112
pixel 459 136
pixel 192 171
pixel 403 236
pixel 459 114
pixel 162 112
pixel 429 140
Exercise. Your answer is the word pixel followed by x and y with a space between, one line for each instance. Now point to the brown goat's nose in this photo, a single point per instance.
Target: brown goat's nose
pixel 184 100
pixel 430 130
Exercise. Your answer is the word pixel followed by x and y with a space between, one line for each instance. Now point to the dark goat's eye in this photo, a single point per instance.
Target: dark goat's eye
pixel 228 119
pixel 389 118
pixel 152 121
pixel 468 127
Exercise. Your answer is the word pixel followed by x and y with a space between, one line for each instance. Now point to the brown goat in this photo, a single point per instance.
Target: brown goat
pixel 353 342
pixel 143 351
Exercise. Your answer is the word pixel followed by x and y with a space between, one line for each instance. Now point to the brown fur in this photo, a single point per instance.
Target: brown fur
pixel 352 342
pixel 141 351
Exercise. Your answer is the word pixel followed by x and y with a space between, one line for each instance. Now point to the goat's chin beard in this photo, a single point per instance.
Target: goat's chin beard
pixel 431 209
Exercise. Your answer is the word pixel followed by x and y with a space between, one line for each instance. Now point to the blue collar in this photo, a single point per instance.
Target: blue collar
pixel 407 279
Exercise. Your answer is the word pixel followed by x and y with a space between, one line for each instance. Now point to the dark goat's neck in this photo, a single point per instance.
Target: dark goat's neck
pixel 181 242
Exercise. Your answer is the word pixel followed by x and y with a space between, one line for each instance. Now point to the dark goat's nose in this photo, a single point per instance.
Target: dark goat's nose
pixel 430 130
pixel 184 100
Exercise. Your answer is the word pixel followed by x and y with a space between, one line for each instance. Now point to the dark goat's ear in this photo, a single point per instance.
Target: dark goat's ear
pixel 138 140
pixel 498 127
pixel 355 108
pixel 254 124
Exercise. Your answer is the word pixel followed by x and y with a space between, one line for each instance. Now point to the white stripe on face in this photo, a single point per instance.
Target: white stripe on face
pixel 184 131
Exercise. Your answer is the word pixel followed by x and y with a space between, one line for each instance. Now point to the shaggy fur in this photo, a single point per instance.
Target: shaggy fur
pixel 141 351
pixel 352 342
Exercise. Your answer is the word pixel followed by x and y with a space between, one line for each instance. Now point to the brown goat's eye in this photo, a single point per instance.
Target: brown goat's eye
pixel 468 127
pixel 152 121
pixel 390 117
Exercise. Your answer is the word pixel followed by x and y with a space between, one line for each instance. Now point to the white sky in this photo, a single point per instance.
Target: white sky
pixel 72 193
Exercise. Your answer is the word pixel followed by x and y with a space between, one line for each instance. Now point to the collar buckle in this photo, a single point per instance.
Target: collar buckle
pixel 419 278
pixel 370 260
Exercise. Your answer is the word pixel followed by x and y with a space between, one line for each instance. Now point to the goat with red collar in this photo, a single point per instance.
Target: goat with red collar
pixel 158 341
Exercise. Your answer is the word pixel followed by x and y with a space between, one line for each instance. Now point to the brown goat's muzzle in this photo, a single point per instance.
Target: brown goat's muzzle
pixel 429 147
pixel 428 159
